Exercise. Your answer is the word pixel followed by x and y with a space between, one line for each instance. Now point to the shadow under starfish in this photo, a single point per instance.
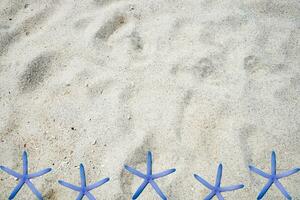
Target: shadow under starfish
pixel 149 177
pixel 84 190
pixel 216 190
pixel 25 178
pixel 273 178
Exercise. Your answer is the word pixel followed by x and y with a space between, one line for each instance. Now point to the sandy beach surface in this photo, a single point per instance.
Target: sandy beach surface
pixel 197 82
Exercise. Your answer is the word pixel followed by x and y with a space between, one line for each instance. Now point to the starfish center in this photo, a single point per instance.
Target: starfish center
pixel 273 177
pixel 84 190
pixel 25 177
pixel 149 178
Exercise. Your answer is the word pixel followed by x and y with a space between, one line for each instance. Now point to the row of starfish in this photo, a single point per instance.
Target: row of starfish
pixel 149 178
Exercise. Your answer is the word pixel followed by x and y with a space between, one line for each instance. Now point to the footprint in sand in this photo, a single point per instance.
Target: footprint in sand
pixel 204 68
pixel 26 27
pixel 36 72
pixel 110 27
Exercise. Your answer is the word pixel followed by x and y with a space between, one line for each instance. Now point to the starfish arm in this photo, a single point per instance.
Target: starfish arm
pixel 69 185
pixel 220 197
pixel 164 173
pixel 158 190
pixel 219 176
pixel 273 163
pixel 97 184
pixel 140 189
pixel 82 175
pixel 282 189
pixel 149 163
pixel 210 196
pixel 204 182
pixel 90 196
pixel 34 190
pixel 231 188
pixel 11 172
pixel 287 173
pixel 258 171
pixel 80 196
pixel 16 189
pixel 25 162
pixel 40 173
pixel 135 172
pixel 265 189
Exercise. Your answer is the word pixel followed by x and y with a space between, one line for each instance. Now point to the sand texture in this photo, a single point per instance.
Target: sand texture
pixel 197 82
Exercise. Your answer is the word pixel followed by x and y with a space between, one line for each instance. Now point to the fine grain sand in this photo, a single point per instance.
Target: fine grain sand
pixel 197 82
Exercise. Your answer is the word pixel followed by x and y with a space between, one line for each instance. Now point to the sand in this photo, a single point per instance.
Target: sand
pixel 101 82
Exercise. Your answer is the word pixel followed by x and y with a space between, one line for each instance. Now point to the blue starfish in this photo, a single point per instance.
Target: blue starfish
pixel 149 178
pixel 84 190
pixel 273 177
pixel 25 178
pixel 217 189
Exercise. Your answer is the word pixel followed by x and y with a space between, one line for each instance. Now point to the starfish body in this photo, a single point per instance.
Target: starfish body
pixel 84 190
pixel 25 178
pixel 216 190
pixel 273 178
pixel 149 178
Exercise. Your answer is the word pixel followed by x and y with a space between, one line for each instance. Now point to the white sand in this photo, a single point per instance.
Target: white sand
pixel 196 82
